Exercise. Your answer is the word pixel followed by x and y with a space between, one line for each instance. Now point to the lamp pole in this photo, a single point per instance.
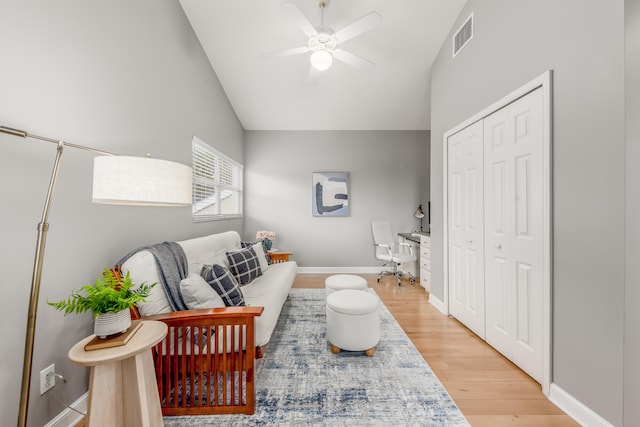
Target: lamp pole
pixel 36 277
pixel 43 227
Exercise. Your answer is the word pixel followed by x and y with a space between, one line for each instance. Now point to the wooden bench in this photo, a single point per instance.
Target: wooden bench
pixel 206 363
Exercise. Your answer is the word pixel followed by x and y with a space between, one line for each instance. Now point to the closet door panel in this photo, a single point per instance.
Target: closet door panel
pixel 498 223
pixel 515 203
pixel 528 250
pixel 524 305
pixel 466 227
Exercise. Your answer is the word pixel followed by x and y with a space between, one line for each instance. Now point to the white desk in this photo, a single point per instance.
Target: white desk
pixel 413 266
pixel 421 246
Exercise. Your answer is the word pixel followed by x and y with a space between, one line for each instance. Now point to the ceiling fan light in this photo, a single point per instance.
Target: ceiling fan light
pixel 321 60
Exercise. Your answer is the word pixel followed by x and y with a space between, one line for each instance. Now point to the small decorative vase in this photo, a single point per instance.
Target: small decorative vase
pixel 112 323
pixel 267 243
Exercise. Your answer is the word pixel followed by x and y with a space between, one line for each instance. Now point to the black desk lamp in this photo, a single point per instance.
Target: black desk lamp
pixel 419 214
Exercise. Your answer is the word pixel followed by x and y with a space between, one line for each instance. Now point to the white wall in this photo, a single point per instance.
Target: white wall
pixel 632 224
pixel 128 77
pixel 583 43
pixel 386 182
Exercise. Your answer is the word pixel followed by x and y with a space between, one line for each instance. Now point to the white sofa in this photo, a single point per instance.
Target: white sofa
pixel 184 361
pixel 270 290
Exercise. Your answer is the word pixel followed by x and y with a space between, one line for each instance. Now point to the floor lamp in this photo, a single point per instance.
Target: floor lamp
pixel 141 181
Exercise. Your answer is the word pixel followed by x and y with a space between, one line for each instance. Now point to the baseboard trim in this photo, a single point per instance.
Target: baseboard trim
pixel 325 270
pixel 576 409
pixel 438 304
pixel 68 417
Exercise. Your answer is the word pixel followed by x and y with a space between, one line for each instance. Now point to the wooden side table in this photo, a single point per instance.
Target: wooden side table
pixel 122 388
pixel 278 257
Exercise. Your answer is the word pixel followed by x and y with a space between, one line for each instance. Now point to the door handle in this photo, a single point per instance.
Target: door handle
pixel 498 246
pixel 470 240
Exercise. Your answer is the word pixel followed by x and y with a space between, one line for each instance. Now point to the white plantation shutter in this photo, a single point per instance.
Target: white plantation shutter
pixel 217 184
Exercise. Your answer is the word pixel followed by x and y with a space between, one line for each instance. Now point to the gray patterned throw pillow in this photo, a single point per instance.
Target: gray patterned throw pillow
pixel 244 265
pixel 223 282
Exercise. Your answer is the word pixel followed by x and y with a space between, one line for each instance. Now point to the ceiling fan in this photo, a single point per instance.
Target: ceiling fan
pixel 323 41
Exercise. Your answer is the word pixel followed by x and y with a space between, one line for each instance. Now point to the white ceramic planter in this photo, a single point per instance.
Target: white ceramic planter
pixel 112 323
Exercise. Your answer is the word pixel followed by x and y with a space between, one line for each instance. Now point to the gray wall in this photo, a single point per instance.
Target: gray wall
pixel 387 181
pixel 583 43
pixel 128 77
pixel 632 277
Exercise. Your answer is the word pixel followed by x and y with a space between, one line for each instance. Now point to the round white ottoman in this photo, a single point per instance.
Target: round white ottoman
pixel 353 321
pixel 339 282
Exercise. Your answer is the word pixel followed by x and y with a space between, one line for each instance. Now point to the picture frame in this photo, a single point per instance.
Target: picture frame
pixel 330 194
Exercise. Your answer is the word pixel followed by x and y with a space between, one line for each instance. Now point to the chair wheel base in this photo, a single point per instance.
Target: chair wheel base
pixel 398 275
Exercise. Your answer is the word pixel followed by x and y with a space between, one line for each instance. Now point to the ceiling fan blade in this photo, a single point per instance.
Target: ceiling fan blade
pixel 366 23
pixel 353 60
pixel 285 52
pixel 294 13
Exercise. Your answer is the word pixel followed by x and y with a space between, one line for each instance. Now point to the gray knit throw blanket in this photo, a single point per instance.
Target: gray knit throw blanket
pixel 172 266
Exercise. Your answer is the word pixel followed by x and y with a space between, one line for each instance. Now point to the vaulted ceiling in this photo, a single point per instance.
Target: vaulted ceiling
pixel 276 94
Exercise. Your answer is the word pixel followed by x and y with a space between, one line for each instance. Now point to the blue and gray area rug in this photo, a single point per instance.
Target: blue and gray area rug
pixel 301 383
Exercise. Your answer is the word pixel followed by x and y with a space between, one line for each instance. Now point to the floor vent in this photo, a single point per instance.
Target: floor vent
pixel 463 35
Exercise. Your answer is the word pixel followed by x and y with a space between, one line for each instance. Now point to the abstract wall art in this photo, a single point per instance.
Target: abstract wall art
pixel 330 193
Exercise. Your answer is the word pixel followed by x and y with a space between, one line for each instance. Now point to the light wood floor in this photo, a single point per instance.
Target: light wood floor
pixel 489 390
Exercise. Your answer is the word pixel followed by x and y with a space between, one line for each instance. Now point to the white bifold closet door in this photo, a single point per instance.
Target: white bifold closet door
pixel 466 245
pixel 495 226
pixel 513 224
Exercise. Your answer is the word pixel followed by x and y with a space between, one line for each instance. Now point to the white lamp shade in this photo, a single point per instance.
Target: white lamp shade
pixel 321 60
pixel 140 181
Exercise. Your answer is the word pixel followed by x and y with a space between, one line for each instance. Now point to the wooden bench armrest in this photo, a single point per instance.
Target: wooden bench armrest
pixel 207 314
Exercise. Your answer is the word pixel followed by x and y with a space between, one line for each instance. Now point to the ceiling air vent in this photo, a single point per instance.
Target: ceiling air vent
pixel 463 35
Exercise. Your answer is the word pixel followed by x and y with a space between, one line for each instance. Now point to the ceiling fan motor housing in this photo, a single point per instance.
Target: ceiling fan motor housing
pixel 324 40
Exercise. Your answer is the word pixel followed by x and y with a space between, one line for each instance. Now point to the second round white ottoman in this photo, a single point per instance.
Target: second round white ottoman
pixel 340 282
pixel 353 321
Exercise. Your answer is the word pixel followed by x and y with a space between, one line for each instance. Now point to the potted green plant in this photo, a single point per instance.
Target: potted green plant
pixel 109 299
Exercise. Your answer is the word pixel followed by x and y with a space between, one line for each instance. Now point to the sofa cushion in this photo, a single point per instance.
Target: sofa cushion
pixel 142 267
pixel 209 250
pixel 259 244
pixel 263 258
pixel 197 293
pixel 244 265
pixel 223 282
pixel 270 291
pixel 261 252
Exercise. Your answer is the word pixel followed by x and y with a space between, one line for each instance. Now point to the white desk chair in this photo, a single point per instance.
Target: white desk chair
pixel 389 251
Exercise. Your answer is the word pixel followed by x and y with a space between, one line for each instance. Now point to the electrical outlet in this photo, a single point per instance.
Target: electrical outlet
pixel 47 378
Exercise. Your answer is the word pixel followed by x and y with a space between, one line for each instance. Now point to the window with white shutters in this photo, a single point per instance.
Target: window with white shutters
pixel 217 184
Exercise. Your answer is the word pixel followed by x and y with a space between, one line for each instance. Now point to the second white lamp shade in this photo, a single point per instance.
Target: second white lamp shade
pixel 140 181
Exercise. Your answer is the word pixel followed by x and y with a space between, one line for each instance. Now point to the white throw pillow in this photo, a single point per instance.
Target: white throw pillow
pixel 262 257
pixel 197 293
